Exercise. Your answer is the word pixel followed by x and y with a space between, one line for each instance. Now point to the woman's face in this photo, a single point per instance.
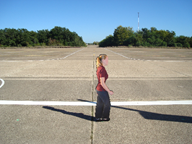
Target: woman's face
pixel 105 61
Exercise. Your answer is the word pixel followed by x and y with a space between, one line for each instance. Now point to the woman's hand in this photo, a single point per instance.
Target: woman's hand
pixel 111 92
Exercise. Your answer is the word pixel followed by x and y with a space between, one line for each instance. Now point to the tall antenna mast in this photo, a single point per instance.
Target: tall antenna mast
pixel 138 21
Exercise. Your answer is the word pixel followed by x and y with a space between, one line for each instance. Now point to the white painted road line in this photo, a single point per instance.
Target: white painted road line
pixel 182 102
pixel 2 83
pixel 42 60
pixel 77 103
pixel 71 54
pixel 118 53
pixel 64 103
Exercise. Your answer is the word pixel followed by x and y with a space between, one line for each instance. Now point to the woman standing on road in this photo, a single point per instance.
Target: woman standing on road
pixel 103 101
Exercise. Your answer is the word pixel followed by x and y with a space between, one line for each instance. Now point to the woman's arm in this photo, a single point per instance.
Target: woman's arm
pixel 102 79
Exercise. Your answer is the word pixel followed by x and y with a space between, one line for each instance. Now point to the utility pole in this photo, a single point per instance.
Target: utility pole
pixel 138 21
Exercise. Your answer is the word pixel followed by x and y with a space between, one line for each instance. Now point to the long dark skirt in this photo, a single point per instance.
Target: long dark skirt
pixel 103 105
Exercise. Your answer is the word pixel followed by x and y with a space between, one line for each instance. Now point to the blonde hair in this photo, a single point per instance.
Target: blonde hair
pixel 99 60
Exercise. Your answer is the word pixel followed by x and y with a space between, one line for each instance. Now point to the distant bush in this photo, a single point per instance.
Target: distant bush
pixel 57 36
pixel 186 45
pixel 125 36
pixel 164 44
pixel 19 45
pixel 108 41
pixel 178 45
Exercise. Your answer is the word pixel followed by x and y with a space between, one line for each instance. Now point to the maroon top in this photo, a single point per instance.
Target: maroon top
pixel 101 72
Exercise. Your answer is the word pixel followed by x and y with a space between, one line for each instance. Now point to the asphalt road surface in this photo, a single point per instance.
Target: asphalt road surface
pixel 69 75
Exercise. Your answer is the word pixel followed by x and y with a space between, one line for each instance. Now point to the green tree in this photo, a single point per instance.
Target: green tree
pixel 23 37
pixel 121 34
pixel 184 41
pixel 170 38
pixel 34 39
pixel 190 41
pixel 108 41
pixel 2 38
pixel 43 36
pixel 162 34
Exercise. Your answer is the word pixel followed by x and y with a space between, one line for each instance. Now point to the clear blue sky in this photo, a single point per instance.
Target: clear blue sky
pixel 96 19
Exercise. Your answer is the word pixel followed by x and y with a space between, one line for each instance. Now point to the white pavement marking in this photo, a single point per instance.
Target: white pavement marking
pixel 75 103
pixel 182 102
pixel 42 60
pixel 65 103
pixel 68 55
pixel 118 53
pixel 149 60
pixel 2 83
pixel 168 60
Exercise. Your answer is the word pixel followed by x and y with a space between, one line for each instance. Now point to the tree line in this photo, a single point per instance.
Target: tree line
pixel 125 36
pixel 58 36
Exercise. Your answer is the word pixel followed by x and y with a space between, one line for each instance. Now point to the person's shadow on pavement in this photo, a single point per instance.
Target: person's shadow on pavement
pixel 155 116
pixel 144 114
pixel 79 115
